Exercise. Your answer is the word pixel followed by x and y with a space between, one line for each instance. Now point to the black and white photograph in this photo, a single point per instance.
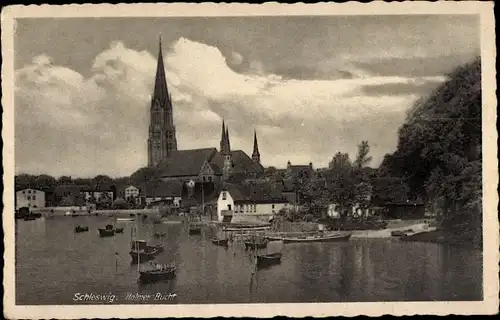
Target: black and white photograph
pixel 257 160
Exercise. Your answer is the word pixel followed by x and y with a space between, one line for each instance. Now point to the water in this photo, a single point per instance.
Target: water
pixel 53 264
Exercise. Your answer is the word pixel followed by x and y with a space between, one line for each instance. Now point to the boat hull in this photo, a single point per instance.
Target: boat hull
pixel 336 238
pixel 106 233
pixel 195 231
pixel 253 245
pixel 268 259
pixel 142 256
pixel 156 275
pixel 220 242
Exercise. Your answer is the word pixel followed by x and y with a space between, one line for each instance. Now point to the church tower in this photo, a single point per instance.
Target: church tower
pixel 225 151
pixel 256 153
pixel 162 141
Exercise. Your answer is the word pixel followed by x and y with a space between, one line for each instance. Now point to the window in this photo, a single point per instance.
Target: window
pixel 254 208
pixel 273 206
pixel 29 197
pixel 24 192
pixel 224 196
pixel 209 179
pixel 34 198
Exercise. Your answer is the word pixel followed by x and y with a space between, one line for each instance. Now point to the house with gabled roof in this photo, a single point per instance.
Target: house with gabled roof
pixel 250 199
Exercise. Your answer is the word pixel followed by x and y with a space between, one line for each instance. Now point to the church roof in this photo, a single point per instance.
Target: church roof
pixel 185 162
pixel 242 163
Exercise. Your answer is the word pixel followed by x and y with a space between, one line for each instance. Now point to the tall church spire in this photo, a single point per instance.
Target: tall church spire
pixel 255 154
pixel 162 141
pixel 160 92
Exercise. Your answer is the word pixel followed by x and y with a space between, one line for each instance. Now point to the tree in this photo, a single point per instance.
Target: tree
pixel 64 180
pixel 362 158
pixel 44 182
pixel 145 174
pixel 439 150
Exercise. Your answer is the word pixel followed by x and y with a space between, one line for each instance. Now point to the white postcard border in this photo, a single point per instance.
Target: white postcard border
pixel 490 172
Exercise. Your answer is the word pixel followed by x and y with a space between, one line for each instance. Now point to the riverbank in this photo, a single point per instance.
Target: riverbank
pixel 465 238
pixel 408 227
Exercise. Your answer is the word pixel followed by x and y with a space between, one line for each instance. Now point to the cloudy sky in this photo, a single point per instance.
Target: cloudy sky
pixel 310 86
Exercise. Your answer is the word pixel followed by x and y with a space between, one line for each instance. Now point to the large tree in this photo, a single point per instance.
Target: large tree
pixel 439 149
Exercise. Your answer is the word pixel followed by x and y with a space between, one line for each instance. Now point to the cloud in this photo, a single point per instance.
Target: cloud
pixel 70 124
pixel 236 58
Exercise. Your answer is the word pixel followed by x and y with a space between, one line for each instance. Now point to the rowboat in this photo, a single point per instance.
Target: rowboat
pixel 337 237
pixel 220 241
pixel 125 219
pixel 108 231
pixel 79 229
pixel 265 260
pixel 158 273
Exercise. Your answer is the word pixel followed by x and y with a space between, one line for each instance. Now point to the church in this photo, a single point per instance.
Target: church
pixel 206 165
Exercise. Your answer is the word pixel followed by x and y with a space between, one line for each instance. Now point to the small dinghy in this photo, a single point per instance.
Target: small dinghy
pixel 265 260
pixel 108 231
pixel 220 241
pixel 159 272
pixel 79 229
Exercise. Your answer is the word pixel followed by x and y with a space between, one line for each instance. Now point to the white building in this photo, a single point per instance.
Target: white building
pixel 243 201
pixel 30 198
pixel 131 192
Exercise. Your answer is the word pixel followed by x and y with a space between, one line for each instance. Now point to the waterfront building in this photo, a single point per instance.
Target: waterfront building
pixel 131 192
pixel 163 192
pixel 255 201
pixel 30 198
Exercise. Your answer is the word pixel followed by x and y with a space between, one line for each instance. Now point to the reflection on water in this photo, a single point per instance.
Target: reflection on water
pixel 54 263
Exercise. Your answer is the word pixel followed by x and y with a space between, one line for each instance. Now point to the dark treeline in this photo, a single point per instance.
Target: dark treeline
pixel 439 152
pixel 47 182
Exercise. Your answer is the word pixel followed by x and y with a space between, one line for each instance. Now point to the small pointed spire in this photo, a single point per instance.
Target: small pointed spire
pixel 256 153
pixel 223 137
pixel 228 141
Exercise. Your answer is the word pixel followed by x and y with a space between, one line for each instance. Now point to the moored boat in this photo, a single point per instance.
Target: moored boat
pixel 159 234
pixel 336 237
pixel 220 241
pixel 159 272
pixel 108 231
pixel 29 218
pixel 119 230
pixel 142 251
pixel 264 260
pixel 256 243
pixel 79 229
pixel 194 228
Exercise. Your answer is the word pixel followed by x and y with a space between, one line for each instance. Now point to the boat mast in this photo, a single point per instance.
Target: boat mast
pixel 136 243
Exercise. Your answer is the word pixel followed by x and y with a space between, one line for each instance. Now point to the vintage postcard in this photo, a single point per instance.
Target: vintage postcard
pixel 172 160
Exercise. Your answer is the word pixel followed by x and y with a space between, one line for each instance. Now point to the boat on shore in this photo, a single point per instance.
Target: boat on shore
pixel 335 237
pixel 159 272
